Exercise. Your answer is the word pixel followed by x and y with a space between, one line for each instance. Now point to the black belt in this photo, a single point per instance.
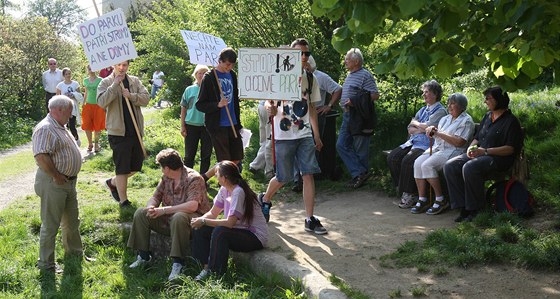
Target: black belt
pixel 71 178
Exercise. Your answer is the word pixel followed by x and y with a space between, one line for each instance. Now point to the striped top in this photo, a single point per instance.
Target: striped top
pixel 357 81
pixel 49 137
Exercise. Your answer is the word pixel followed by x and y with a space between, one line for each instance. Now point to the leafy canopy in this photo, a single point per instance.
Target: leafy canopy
pixel 515 39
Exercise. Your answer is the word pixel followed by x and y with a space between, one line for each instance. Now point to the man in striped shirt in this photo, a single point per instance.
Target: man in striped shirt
pixel 354 150
pixel 59 161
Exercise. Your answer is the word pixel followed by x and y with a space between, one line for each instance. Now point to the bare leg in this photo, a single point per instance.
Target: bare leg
pixel 308 194
pixel 96 135
pixel 421 186
pixel 273 187
pixel 121 182
pixel 90 142
pixel 434 182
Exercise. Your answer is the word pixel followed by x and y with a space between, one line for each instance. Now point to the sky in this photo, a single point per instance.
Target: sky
pixel 86 5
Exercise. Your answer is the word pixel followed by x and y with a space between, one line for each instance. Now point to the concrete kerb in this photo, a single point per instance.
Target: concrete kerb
pixel 265 261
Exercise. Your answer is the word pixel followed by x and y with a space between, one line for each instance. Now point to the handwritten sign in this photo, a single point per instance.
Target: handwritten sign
pixel 203 47
pixel 107 40
pixel 271 74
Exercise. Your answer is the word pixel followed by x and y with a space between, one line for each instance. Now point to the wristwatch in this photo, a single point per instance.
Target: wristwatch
pixel 330 105
pixel 203 221
pixel 486 151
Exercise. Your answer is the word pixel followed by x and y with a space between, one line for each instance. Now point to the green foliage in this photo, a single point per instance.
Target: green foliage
pixel 29 42
pixel 62 15
pixel 516 40
pixel 158 37
pixel 346 289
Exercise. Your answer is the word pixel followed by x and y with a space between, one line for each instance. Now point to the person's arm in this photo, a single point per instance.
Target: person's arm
pixel 182 119
pixel 313 116
pixel 139 95
pixel 207 101
pixel 374 96
pixel 107 92
pixel 46 164
pixel 454 140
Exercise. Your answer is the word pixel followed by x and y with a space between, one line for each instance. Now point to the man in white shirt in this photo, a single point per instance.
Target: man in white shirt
pixel 50 80
pixel 157 83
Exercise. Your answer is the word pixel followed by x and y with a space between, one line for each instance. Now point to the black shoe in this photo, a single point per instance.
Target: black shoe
pixel 125 204
pixel 315 226
pixel 265 206
pixel 462 215
pixel 113 189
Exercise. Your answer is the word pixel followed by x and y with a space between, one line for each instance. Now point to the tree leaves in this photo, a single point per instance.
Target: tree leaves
pixel 410 7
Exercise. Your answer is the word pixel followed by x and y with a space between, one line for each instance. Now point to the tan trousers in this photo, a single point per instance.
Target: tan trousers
pixel 178 226
pixel 59 208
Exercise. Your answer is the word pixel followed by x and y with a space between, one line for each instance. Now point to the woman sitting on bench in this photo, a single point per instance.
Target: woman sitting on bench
pixel 492 150
pixel 451 137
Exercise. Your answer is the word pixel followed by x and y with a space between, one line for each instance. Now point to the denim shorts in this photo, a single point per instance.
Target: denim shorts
pixel 300 151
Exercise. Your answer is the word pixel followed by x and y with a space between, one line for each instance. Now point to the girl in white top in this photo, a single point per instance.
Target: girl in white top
pixel 71 89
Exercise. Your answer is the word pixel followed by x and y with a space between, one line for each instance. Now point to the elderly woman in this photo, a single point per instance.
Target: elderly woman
pixel 192 124
pixel 452 135
pixel 492 150
pixel 401 159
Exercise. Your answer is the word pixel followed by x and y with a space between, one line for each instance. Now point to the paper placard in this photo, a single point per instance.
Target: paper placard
pixel 107 40
pixel 203 47
pixel 269 73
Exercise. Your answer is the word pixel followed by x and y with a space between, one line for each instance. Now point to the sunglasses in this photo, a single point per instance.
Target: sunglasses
pixel 306 53
pixel 52 63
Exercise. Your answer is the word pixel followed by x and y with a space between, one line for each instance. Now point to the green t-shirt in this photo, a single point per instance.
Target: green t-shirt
pixel 190 96
pixel 91 90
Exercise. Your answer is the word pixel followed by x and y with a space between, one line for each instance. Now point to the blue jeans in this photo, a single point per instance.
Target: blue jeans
pixel 300 152
pixel 353 150
pixel 155 89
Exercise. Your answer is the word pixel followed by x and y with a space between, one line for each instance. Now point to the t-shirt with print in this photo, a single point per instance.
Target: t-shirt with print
pixel 291 122
pixel 233 204
pixel 65 89
pixel 226 82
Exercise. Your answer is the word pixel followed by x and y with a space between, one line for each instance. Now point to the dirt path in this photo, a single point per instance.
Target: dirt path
pixel 362 227
pixel 366 225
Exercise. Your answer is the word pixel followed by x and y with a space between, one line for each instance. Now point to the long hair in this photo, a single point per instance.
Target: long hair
pixel 231 173
pixel 501 97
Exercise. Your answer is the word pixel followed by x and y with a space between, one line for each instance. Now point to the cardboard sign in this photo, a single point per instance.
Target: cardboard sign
pixel 107 40
pixel 203 47
pixel 269 74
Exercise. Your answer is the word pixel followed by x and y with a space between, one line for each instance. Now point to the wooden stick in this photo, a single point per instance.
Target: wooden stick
pixel 226 106
pixel 128 104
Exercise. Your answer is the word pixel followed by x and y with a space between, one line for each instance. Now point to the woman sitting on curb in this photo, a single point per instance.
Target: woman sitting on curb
pixel 452 135
pixel 242 228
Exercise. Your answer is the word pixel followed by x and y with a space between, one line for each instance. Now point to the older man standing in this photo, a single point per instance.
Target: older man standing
pixel 354 149
pixel 180 196
pixel 112 94
pixel 59 161
pixel 50 79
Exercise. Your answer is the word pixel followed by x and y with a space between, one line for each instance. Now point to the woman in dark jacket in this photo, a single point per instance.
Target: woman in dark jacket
pixel 492 150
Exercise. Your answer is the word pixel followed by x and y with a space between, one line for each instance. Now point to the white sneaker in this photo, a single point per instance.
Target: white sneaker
pixel 175 271
pixel 202 275
pixel 139 262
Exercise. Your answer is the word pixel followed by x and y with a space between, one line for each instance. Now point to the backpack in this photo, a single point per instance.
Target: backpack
pixel 511 196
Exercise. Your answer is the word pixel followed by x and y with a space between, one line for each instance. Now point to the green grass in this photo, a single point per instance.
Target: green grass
pixel 16 164
pixel 489 239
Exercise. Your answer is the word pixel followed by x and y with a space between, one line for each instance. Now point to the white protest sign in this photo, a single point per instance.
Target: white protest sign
pixel 107 40
pixel 269 74
pixel 203 47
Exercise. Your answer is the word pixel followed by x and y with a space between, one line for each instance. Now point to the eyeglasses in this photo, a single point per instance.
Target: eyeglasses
pixel 306 53
pixel 52 63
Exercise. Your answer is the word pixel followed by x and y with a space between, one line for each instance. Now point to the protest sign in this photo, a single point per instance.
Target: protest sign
pixel 269 74
pixel 107 40
pixel 203 47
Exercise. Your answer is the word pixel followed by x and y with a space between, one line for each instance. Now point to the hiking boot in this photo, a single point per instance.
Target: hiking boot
pixel 175 271
pixel 203 275
pixel 113 189
pixel 315 226
pixel 139 262
pixel 407 201
pixel 265 206
pixel 438 207
pixel 420 207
